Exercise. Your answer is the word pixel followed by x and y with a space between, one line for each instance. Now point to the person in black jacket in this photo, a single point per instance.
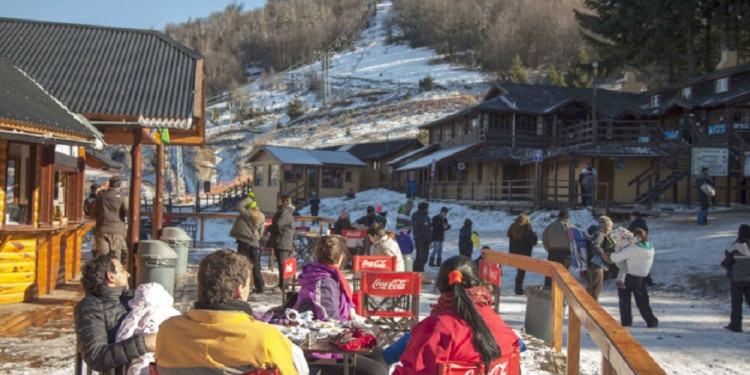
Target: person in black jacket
pixel 737 263
pixel 439 226
pixel 99 314
pixel 465 246
pixel 522 240
pixel 637 221
pixel 281 233
pixel 703 179
pixel 422 232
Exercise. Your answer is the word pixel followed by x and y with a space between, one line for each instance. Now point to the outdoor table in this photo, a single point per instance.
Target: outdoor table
pixel 304 245
pixel 323 346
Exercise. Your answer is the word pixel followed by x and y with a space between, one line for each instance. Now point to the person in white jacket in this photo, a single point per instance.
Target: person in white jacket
pixel 384 245
pixel 638 257
pixel 150 306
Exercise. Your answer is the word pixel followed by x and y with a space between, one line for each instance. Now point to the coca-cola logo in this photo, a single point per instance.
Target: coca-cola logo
pixel 289 268
pixel 377 264
pixel 499 369
pixel 395 284
pixel 493 274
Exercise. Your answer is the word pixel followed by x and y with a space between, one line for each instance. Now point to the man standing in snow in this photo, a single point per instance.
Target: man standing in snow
pixel 422 235
pixel 557 243
pixel 703 194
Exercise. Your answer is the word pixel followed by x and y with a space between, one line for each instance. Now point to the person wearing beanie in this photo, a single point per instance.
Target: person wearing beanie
pixel 370 218
pixel 110 209
pixel 705 185
pixel 557 242
pixel 439 226
pixel 737 263
pixel 314 205
pixel 465 246
pixel 247 230
pixel 601 243
pixel 422 235
pixel 342 223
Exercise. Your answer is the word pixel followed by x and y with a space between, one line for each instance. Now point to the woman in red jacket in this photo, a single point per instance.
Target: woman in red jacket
pixel 461 327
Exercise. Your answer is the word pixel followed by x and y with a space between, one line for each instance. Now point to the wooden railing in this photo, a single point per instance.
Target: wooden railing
pixel 617 132
pixel 621 353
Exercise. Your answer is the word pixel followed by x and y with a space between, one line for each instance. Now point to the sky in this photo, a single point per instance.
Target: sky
pixel 140 14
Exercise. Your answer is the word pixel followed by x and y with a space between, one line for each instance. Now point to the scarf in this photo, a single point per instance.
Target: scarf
pixel 479 295
pixel 231 305
pixel 344 284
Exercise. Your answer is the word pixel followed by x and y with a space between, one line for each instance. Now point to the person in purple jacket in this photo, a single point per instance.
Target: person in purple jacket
pixel 325 292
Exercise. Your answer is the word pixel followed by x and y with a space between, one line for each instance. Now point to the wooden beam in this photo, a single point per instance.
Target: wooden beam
pixel 134 209
pixel 156 221
pixel 3 182
pixel 574 343
pixel 199 103
pixel 47 187
pixel 557 316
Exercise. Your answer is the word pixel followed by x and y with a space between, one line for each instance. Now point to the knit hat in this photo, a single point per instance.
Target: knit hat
pixel 744 232
pixel 344 214
pixel 605 222
pixel 370 209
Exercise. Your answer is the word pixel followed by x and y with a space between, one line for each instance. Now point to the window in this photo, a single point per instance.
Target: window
pixel 654 101
pixel 292 172
pixel 258 175
pixel 376 165
pixel 273 177
pixel 18 187
pixel 480 171
pixel 722 85
pixel 348 176
pixel 687 92
pixel 332 178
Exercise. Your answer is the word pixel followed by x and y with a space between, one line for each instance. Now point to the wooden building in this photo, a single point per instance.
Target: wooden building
pixel 377 155
pixel 41 187
pixel 298 172
pixel 129 84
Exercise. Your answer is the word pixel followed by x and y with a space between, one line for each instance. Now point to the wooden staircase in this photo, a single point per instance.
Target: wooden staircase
pixel 650 184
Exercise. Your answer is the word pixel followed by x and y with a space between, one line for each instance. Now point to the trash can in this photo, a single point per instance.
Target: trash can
pixel 155 262
pixel 538 321
pixel 179 241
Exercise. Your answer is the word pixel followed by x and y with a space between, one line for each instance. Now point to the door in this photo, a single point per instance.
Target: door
pixel 605 176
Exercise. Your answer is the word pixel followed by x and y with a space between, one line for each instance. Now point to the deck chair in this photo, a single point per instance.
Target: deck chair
pixel 505 365
pixel 153 370
pixel 362 263
pixel 390 300
pixel 290 278
pixel 492 275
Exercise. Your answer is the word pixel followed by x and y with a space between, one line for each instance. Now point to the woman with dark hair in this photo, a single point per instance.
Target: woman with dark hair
pixel 737 263
pixel 522 240
pixel 281 230
pixel 638 258
pixel 461 327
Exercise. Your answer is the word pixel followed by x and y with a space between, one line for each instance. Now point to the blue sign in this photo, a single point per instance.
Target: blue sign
pixel 538 156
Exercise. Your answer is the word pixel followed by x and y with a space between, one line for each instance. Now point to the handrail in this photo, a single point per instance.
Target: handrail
pixel 660 163
pixel 621 352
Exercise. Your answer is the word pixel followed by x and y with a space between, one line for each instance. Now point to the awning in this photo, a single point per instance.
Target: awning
pixel 436 156
pixel 98 160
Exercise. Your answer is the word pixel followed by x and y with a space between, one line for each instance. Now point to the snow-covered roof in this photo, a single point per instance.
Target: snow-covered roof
pixel 426 160
pixel 412 154
pixel 291 155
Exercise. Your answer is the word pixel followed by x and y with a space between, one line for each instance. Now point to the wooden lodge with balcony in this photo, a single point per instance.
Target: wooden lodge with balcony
pixel 530 142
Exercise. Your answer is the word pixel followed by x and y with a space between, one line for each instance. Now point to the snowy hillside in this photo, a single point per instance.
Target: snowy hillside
pixel 374 96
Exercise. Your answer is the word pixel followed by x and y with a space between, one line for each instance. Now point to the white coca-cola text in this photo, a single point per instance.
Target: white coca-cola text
pixel 395 284
pixel 289 268
pixel 379 264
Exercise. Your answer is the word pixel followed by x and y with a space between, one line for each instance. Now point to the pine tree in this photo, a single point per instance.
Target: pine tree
pixel 578 73
pixel 554 78
pixel 517 74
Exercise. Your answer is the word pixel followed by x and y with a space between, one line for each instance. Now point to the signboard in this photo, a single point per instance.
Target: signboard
pixel 715 159
pixel 747 164
pixel 538 156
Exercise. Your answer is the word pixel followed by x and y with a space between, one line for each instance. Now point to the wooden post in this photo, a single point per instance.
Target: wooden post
pixel 572 187
pixel 134 212
pixel 158 206
pixel 574 343
pixel 203 228
pixel 557 315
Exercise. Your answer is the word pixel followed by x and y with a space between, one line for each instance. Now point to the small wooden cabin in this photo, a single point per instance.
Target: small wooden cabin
pixel 41 188
pixel 299 172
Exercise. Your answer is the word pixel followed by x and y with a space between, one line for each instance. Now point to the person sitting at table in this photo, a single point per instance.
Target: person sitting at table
pixel 219 335
pixel 370 218
pixel 382 244
pixel 281 230
pixel 461 327
pixel 342 223
pixel 325 291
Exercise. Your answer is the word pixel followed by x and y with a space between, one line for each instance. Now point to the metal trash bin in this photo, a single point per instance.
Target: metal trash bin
pixel 179 241
pixel 155 262
pixel 538 320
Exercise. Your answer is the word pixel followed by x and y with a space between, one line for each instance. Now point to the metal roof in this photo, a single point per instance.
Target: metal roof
pixel 412 154
pixel 104 70
pixel 26 104
pixel 301 156
pixel 436 156
pixel 375 150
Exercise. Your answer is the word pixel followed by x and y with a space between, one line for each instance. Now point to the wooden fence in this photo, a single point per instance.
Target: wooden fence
pixel 621 353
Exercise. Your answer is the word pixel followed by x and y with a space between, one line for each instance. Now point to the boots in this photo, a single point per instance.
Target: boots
pixel 440 261
pixel 432 261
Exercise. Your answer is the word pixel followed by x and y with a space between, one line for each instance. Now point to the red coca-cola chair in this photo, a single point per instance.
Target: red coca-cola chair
pixel 153 370
pixel 355 240
pixel 363 263
pixel 492 275
pixel 290 278
pixel 509 364
pixel 390 300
